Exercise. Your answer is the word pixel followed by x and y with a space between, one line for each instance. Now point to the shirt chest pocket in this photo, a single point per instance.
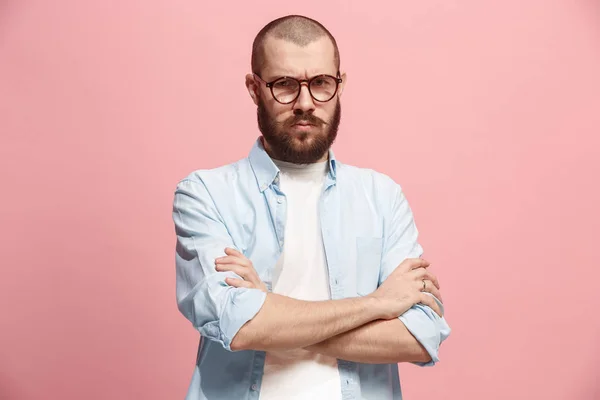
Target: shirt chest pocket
pixel 368 262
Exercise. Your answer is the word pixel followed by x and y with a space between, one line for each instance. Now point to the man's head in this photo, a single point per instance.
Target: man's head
pixel 296 126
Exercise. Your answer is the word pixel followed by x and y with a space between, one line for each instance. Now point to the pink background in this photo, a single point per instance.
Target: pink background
pixel 487 113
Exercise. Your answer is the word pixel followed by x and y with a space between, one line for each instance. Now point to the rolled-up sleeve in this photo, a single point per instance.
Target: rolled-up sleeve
pixel 400 243
pixel 216 309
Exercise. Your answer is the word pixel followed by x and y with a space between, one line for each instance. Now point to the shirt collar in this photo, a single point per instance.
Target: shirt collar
pixel 266 171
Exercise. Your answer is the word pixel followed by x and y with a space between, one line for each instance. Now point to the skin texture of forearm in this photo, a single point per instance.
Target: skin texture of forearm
pixel 377 342
pixel 285 323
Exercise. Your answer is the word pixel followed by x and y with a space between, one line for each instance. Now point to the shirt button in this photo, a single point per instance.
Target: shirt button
pixel 254 387
pixel 280 200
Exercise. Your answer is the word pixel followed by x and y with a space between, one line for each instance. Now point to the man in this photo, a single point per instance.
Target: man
pixel 302 274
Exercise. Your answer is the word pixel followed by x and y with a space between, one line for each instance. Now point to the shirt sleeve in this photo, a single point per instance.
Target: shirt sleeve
pixel 400 243
pixel 216 309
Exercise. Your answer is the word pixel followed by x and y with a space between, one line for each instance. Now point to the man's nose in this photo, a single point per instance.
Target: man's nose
pixel 304 101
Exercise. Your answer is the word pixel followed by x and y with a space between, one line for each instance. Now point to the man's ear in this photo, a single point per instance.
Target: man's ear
pixel 343 84
pixel 252 87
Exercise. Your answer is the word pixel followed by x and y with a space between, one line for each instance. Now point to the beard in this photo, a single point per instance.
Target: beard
pixel 298 147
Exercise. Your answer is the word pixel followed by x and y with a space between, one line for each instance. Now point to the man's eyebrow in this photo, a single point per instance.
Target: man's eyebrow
pixel 272 77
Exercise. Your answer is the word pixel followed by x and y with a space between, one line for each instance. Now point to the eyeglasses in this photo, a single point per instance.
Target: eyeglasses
pixel 285 90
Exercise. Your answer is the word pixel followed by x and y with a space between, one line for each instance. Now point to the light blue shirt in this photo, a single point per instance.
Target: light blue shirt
pixel 367 228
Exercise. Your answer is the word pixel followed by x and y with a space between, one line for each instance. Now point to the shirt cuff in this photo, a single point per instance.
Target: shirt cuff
pixel 243 305
pixel 428 328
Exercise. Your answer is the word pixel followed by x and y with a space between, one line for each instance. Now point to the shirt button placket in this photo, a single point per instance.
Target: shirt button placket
pixel 281 212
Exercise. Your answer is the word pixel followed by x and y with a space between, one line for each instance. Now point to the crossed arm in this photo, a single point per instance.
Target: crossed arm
pixel 355 329
pixel 352 329
pixel 348 329
pixel 377 342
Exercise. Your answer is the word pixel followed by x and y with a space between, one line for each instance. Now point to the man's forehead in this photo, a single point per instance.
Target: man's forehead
pixel 282 57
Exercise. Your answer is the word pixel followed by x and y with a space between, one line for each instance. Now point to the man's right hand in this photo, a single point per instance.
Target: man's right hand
pixel 405 287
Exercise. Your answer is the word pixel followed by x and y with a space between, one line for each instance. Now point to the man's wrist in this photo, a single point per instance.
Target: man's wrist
pixel 373 306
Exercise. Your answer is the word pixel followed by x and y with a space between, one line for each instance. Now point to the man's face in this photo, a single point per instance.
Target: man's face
pixel 303 131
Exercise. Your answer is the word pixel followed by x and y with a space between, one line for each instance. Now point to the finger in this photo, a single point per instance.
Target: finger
pixel 247 274
pixel 421 273
pixel 430 288
pixel 418 274
pixel 238 269
pixel 429 275
pixel 239 283
pixel 233 260
pixel 230 251
pixel 414 263
pixel 432 278
pixel 431 303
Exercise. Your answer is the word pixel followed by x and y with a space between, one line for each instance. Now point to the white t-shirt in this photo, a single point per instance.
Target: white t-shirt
pixel 301 273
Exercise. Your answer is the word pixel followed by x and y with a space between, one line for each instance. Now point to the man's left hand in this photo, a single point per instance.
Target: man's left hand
pixel 238 263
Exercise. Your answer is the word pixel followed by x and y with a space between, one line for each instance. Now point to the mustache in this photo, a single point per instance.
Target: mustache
pixel 306 118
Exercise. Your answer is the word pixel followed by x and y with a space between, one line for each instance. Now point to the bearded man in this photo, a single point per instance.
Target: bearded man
pixel 302 274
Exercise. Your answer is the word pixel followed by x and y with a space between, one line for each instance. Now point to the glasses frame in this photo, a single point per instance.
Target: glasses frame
pixel 270 84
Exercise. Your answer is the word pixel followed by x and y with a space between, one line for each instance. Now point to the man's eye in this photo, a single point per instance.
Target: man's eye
pixel 284 84
pixel 322 82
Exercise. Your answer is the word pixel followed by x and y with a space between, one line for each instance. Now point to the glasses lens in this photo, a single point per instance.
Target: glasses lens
pixel 285 90
pixel 323 87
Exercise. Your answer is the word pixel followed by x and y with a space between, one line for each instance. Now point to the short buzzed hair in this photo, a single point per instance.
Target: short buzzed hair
pixel 297 29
